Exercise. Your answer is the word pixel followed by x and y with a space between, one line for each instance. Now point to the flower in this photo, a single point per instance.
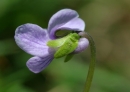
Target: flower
pixel 33 39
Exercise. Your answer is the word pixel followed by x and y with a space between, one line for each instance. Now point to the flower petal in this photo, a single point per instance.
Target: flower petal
pixel 82 45
pixel 37 64
pixel 32 39
pixel 60 18
pixel 76 24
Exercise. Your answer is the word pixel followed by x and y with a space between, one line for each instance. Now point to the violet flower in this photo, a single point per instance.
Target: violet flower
pixel 33 39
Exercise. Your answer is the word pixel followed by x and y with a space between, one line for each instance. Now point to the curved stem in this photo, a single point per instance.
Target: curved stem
pixel 92 62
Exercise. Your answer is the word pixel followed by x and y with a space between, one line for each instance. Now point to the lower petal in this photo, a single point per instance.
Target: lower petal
pixel 82 45
pixel 37 64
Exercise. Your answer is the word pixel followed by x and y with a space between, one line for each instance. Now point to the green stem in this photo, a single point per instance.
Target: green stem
pixel 92 63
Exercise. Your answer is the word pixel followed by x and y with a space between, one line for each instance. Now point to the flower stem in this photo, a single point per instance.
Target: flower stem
pixel 92 62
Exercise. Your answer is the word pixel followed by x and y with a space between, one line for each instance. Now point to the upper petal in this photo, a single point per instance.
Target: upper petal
pixel 75 24
pixel 82 45
pixel 37 64
pixel 59 19
pixel 32 39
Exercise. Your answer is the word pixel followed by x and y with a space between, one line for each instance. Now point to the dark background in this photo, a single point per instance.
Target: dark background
pixel 108 22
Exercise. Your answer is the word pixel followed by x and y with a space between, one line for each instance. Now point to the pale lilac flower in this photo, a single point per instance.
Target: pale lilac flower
pixel 33 39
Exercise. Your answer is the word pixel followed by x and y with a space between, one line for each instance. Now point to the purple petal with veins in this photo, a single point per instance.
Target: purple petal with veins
pixel 32 39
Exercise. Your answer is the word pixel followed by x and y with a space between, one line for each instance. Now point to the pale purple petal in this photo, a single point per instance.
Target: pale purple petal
pixel 61 18
pixel 32 39
pixel 37 64
pixel 76 24
pixel 82 45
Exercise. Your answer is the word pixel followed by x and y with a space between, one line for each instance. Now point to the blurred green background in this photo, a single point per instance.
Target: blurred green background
pixel 108 22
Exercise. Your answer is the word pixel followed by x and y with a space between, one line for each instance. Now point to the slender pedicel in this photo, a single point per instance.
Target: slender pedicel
pixel 92 62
